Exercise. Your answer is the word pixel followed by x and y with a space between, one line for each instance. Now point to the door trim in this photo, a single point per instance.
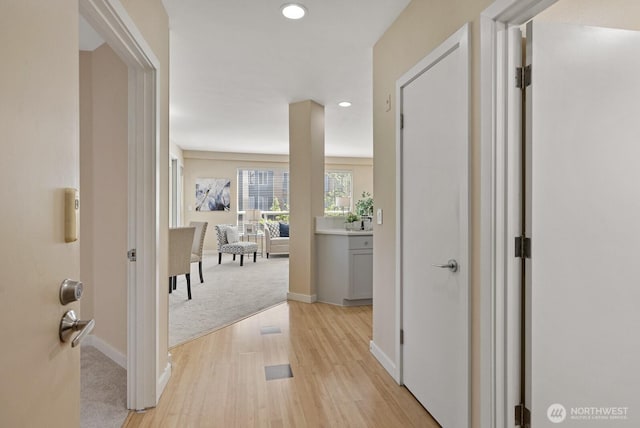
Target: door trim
pixel 496 207
pixel 110 19
pixel 458 40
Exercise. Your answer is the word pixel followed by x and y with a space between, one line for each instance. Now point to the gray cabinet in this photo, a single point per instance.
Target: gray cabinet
pixel 344 268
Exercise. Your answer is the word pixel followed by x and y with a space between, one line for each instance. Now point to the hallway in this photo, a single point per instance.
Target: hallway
pixel 219 380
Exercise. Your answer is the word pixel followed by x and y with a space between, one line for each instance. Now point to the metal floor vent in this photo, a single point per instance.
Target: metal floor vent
pixel 270 330
pixel 281 371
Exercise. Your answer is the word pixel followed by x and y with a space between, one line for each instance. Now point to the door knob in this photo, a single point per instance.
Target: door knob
pixel 70 323
pixel 70 291
pixel 452 265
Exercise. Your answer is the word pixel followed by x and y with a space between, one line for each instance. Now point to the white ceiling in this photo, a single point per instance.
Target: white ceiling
pixel 236 65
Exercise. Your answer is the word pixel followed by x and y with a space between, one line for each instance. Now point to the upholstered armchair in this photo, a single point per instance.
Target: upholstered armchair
pixel 180 243
pixel 198 244
pixel 229 243
pixel 274 243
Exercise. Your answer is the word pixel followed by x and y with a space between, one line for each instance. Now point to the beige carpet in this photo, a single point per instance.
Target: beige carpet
pixel 103 390
pixel 229 293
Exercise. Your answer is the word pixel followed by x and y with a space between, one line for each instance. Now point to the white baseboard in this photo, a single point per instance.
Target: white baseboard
pixel 305 298
pixel 118 357
pixel 385 361
pixel 163 380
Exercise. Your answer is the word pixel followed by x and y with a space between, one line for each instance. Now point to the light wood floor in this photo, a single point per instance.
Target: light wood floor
pixel 219 380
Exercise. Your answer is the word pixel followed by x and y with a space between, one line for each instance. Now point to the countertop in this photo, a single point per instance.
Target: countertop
pixel 344 232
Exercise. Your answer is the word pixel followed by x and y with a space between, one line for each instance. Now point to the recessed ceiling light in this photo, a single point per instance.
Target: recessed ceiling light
pixel 344 104
pixel 293 10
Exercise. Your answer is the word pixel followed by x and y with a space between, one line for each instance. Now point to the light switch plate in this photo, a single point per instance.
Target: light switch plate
pixel 379 215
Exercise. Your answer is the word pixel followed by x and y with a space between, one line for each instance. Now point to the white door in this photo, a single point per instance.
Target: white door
pixel 39 376
pixel 583 144
pixel 434 230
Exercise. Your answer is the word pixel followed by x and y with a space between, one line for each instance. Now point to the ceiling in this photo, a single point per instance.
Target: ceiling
pixel 236 65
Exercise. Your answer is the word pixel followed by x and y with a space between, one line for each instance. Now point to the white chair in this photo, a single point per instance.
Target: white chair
pixel 275 244
pixel 233 246
pixel 180 243
pixel 198 244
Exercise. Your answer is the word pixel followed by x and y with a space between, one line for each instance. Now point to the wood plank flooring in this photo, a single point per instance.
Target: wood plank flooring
pixel 219 379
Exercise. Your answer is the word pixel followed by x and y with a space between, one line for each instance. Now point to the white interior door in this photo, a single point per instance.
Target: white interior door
pixel 434 230
pixel 583 135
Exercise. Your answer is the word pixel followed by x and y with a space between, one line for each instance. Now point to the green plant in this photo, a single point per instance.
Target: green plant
pixel 364 206
pixel 351 218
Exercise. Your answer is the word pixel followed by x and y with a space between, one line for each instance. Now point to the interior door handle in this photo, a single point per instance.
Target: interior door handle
pixel 452 265
pixel 70 324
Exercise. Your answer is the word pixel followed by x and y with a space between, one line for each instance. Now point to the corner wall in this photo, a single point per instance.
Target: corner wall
pixel 104 193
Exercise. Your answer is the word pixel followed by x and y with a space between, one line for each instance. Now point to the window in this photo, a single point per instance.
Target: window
pixel 266 190
pixel 337 184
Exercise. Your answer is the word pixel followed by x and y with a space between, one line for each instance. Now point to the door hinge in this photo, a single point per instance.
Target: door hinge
pixel 523 247
pixel 131 255
pixel 523 76
pixel 401 121
pixel 523 416
pixel 402 337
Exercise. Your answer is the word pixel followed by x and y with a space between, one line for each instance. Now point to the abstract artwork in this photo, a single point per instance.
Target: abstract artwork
pixel 213 194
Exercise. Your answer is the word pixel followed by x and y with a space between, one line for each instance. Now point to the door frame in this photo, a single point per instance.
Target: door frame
pixel 458 40
pixel 145 380
pixel 498 208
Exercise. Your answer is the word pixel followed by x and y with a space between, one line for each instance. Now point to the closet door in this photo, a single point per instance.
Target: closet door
pixel 583 199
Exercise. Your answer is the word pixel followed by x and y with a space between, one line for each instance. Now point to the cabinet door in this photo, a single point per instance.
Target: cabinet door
pixel 360 274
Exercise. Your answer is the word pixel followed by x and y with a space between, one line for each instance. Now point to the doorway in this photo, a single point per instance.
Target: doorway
pixel 434 230
pixel 103 226
pixel 576 176
pixel 145 379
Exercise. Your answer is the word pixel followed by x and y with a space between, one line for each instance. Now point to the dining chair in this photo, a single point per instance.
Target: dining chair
pixel 180 244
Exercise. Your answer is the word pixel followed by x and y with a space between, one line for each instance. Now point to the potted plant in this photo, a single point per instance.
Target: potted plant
pixel 364 208
pixel 352 222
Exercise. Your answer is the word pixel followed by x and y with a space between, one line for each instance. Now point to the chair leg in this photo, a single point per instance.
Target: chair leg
pixel 188 285
pixel 267 255
pixel 170 284
pixel 219 258
pixel 254 256
pixel 241 259
pixel 175 282
pixel 200 270
pixel 234 257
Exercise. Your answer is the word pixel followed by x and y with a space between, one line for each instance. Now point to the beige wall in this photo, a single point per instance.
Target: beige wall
pixel 306 154
pixel 103 188
pixel 420 28
pixel 225 165
pixel 153 22
pixel 624 14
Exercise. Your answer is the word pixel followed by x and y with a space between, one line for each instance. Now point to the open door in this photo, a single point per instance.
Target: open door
pixel 583 211
pixel 39 375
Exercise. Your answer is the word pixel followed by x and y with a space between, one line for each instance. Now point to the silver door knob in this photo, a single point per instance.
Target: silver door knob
pixel 70 323
pixel 452 265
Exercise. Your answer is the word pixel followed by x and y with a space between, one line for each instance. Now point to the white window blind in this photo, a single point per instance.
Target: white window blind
pixel 338 185
pixel 266 190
